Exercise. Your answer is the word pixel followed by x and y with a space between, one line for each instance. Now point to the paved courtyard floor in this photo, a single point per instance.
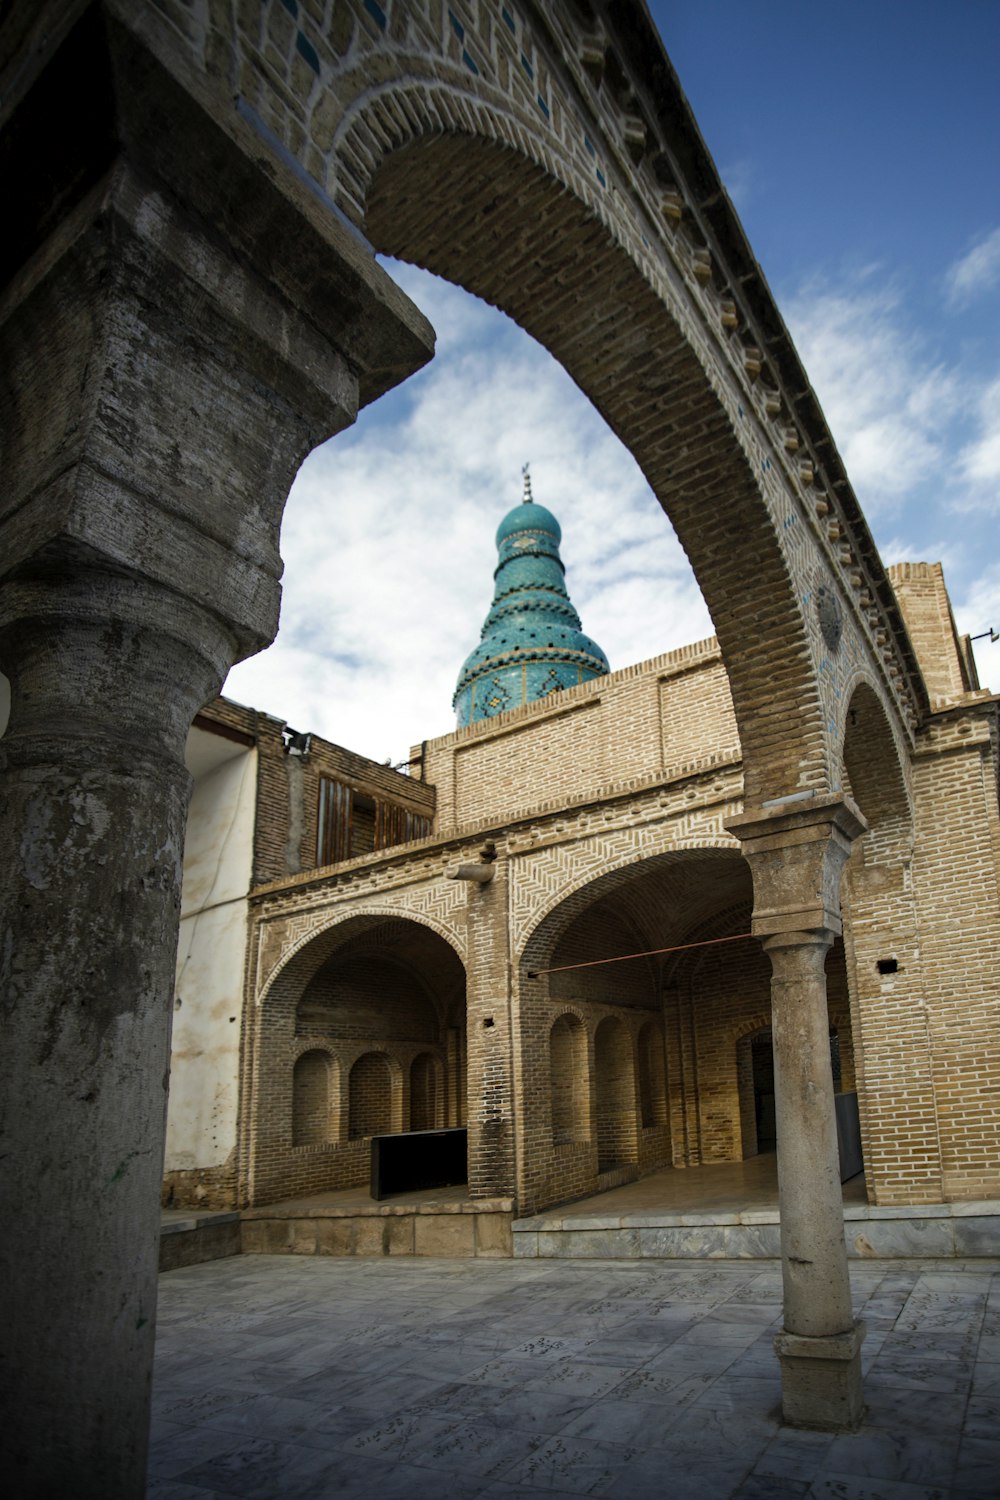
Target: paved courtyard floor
pixel 409 1379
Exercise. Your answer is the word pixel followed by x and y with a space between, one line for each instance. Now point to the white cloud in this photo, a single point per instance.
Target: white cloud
pixel 976 272
pixel 979 611
pixel 889 409
pixel 980 459
pixel 388 537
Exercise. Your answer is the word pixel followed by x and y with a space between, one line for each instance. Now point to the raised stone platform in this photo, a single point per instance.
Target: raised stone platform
pixel 931 1231
pixel 188 1237
pixel 730 1212
pixel 445 1222
pixel 725 1212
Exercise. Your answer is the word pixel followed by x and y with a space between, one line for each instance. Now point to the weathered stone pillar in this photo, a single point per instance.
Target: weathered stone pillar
pixel 181 325
pixel 106 674
pixel 796 853
pixel 488 1031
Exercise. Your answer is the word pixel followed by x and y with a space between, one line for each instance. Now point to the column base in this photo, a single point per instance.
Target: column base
pixel 821 1380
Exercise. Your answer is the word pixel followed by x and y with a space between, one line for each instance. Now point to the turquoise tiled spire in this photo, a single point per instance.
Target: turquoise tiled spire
pixel 532 644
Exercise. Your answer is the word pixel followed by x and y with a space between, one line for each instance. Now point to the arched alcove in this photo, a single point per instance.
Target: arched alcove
pixel 382 997
pixel 424 1092
pixel 569 1081
pixel 614 1096
pixel 652 1076
pixel 312 1103
pixel 369 1093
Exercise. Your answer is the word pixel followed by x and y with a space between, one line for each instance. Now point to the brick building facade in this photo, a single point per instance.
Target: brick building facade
pixel 383 996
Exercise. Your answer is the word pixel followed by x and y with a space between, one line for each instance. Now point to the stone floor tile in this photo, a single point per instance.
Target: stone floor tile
pixel 978 1466
pixel 905 1456
pixel 277 1417
pixel 411 1482
pixel 403 1436
pixel 626 1422
pixel 261 1470
pixel 986 1380
pixel 661 1388
pixel 899 1409
pixel 853 1487
pixel 173 1455
pixel 982 1420
pixel 474 1447
pixel 577 1377
pixel 657 1475
pixel 794 1455
pixel 173 1489
pixel 334 1383
pixel 578 1466
pixel 768 1487
pixel 548 1412
pixel 686 1359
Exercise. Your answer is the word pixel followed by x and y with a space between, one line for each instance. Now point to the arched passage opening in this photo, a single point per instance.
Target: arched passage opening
pixel 361 1033
pixel 661 1058
pixel 894 1045
pixel 679 1056
pixel 465 206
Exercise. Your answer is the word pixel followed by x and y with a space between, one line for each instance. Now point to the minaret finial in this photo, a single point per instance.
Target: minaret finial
pixel 525 470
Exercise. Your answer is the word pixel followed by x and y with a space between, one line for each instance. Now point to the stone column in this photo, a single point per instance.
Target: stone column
pixel 106 675
pixel 796 850
pixel 183 323
pixel 488 1029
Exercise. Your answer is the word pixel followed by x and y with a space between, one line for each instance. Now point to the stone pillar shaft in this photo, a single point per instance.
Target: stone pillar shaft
pixel 94 797
pixel 796 858
pixel 817 1294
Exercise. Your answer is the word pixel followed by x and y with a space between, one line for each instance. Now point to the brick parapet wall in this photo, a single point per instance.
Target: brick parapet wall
pixel 680 721
pixel 945 657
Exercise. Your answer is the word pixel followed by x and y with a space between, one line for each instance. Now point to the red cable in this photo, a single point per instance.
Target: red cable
pixel 594 963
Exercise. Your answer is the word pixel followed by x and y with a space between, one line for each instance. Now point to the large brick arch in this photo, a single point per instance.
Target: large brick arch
pixel 305 952
pixel 429 978
pixel 567 904
pixel 545 157
pixel 486 216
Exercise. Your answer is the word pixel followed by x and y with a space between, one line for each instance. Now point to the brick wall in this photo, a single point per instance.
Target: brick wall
pixel 945 657
pixel 570 748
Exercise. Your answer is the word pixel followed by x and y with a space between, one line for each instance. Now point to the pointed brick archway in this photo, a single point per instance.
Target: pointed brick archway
pixel 361 1031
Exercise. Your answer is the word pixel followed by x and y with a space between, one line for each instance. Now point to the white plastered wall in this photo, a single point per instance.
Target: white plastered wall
pixel 208 1002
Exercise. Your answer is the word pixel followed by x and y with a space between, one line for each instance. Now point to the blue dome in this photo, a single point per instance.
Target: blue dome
pixel 532 644
pixel 528 517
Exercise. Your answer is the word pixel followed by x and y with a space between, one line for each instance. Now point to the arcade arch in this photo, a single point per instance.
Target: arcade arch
pixel 361 1033
pixel 650 1060
pixel 465 205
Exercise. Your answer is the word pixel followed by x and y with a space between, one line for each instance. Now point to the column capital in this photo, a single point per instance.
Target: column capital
pixel 796 850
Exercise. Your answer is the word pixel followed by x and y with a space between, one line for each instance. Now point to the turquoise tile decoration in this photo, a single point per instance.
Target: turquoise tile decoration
pixel 531 644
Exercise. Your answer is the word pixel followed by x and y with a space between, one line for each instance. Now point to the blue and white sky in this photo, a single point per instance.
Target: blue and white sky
pixel 860 145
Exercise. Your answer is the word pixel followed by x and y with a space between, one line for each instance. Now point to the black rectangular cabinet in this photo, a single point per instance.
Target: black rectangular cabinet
pixel 417 1160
